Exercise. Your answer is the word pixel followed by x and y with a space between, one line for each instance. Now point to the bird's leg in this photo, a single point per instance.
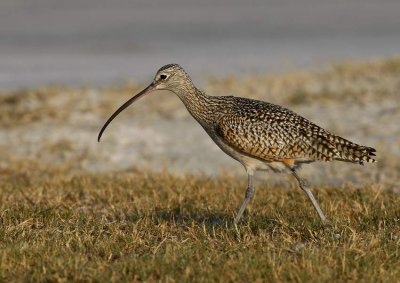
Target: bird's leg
pixel 248 196
pixel 304 187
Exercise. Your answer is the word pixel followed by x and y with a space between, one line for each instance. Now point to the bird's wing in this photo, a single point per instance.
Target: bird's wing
pixel 274 136
pixel 274 133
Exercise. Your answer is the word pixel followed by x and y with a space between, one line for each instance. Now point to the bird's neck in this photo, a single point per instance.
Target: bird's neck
pixel 198 104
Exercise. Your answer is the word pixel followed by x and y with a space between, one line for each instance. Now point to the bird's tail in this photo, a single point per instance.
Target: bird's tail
pixel 352 152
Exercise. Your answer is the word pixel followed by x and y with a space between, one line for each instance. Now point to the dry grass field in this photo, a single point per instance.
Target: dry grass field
pixel 75 210
pixel 126 227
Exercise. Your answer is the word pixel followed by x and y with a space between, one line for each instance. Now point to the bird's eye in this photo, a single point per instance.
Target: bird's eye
pixel 163 77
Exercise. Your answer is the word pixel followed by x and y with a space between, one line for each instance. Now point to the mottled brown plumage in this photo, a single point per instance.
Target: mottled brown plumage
pixel 273 133
pixel 258 134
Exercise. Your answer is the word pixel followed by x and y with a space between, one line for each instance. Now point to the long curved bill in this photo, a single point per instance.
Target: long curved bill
pixel 125 105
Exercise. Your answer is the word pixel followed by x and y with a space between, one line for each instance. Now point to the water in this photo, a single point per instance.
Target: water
pixel 99 42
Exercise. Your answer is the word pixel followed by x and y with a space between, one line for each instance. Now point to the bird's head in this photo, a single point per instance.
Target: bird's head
pixel 170 77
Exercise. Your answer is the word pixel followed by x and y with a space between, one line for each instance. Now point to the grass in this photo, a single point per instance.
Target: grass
pixel 61 220
pixel 126 227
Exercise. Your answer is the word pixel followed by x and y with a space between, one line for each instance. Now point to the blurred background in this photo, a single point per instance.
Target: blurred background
pixel 100 42
pixel 66 66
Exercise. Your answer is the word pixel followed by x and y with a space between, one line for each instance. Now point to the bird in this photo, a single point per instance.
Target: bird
pixel 260 135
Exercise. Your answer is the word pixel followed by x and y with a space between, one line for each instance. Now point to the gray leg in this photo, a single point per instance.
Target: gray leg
pixel 305 188
pixel 248 196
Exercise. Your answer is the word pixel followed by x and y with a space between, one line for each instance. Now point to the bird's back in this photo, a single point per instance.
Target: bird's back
pixel 273 133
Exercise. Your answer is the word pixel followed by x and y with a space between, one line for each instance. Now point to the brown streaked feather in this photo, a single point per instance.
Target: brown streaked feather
pixel 255 140
pixel 274 133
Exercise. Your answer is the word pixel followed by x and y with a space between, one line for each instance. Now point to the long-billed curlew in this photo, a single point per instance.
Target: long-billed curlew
pixel 258 134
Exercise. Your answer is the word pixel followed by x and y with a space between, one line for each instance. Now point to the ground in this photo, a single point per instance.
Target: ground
pixel 148 227
pixel 150 204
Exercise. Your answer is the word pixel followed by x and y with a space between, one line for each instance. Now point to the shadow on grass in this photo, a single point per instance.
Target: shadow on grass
pixel 184 216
